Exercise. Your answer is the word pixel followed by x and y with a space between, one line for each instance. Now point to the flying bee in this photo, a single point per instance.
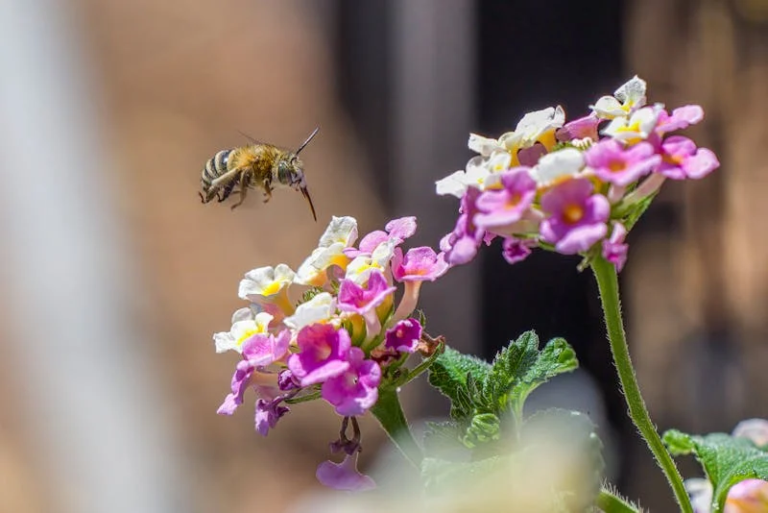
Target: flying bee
pixel 258 165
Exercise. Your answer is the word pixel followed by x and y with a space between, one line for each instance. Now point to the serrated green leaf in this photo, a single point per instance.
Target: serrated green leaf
pixel 520 368
pixel 726 460
pixel 559 447
pixel 440 437
pixel 457 375
pixel 483 428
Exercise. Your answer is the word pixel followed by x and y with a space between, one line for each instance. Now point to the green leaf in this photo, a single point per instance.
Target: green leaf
pixel 520 368
pixel 558 446
pixel 440 437
pixel 459 377
pixel 575 436
pixel 483 428
pixel 726 460
pixel 633 215
pixel 440 475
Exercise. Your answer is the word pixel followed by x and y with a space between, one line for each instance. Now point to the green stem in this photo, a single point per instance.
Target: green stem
pixel 391 417
pixel 610 502
pixel 608 282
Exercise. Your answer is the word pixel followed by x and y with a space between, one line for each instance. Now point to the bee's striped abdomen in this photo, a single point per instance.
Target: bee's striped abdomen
pixel 214 168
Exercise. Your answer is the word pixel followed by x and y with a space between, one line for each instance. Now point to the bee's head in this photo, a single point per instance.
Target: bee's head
pixel 290 171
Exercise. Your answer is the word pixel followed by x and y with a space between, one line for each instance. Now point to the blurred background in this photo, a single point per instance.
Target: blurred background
pixel 114 276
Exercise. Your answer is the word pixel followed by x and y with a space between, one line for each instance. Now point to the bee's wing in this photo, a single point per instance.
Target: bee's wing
pixel 254 141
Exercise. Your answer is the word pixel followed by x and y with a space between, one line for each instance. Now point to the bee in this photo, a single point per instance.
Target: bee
pixel 258 165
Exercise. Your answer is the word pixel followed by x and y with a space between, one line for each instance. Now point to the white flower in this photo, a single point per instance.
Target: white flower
pixel 265 282
pixel 638 126
pixel 361 267
pixel 479 170
pixel 700 492
pixel 312 271
pixel 556 165
pixel 244 326
pixel 534 126
pixel 483 145
pixel 625 99
pixel 342 230
pixel 318 309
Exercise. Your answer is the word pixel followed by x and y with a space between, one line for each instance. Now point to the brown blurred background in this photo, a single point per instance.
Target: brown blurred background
pixel 395 87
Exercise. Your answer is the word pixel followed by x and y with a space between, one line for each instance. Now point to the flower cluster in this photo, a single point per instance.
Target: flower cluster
pixel 344 338
pixel 576 187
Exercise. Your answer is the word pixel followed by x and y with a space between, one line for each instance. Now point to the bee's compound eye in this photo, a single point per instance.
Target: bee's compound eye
pixel 284 172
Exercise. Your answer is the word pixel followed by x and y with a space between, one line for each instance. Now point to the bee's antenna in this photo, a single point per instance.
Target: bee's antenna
pixel 308 139
pixel 254 141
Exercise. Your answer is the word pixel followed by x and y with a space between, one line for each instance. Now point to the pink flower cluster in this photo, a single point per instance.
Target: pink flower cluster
pixel 572 187
pixel 337 342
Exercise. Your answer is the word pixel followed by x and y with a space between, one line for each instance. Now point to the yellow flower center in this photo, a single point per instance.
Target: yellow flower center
pixel 548 139
pixel 572 214
pixel 673 159
pixel 514 200
pixel 340 260
pixel 248 334
pixel 323 352
pixel 272 288
pixel 617 166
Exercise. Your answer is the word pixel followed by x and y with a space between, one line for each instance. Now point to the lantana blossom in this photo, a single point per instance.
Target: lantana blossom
pixel 330 331
pixel 242 329
pixel 682 159
pixel 625 99
pixel 577 216
pixel 614 163
pixel 588 187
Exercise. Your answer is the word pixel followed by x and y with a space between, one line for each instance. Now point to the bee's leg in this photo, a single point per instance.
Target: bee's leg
pixel 209 195
pixel 243 190
pixel 226 191
pixel 267 189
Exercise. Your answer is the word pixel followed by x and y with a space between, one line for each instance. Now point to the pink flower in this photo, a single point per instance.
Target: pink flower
pixel 397 231
pixel 581 128
pixel 681 159
pixel 622 166
pixel 516 250
pixel 268 413
pixel 355 389
pixel 530 156
pixel 755 430
pixel 401 228
pixel 258 351
pixel 614 248
pixel 322 354
pixel 404 336
pixel 681 117
pixel 508 205
pixel 344 476
pixel 748 496
pixel 460 246
pixel 419 264
pixel 577 217
pixel 354 298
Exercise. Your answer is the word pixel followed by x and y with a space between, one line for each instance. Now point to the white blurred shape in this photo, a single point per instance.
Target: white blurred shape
pixel 92 401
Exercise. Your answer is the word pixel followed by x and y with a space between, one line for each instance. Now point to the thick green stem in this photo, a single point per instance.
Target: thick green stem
pixel 608 283
pixel 391 417
pixel 610 502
